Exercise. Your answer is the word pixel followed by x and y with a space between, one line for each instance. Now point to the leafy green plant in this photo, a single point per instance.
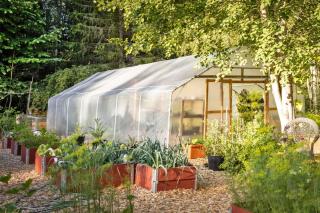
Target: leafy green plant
pixel 217 138
pixel 243 139
pixel 7 122
pixel 315 117
pixel 249 104
pixel 21 189
pixel 199 140
pixel 278 179
pixel 154 154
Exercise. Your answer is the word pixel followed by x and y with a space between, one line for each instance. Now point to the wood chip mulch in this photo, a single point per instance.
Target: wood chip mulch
pixel 212 194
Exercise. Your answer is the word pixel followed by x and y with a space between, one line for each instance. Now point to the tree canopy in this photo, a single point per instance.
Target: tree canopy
pixel 281 37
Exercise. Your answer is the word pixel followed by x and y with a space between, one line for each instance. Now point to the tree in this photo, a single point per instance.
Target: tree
pixel 24 45
pixel 282 37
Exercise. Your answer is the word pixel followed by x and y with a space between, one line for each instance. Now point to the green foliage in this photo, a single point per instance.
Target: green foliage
pixel 243 140
pixel 249 104
pixel 7 122
pixel 281 36
pixel 61 80
pixel 315 117
pixel 199 140
pixel 98 131
pixel 278 179
pixel 217 139
pixel 156 155
pixel 23 188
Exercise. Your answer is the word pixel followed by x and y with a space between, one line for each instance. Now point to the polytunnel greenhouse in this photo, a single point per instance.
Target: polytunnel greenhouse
pixel 164 100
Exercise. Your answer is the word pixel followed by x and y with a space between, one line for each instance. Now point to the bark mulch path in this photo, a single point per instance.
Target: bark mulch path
pixel 211 196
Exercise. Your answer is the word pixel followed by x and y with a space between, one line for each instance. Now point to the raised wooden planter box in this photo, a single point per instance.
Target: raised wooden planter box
pixel 236 209
pixel 15 148
pixel 196 151
pixel 160 180
pixel 117 175
pixel 42 163
pixel 28 155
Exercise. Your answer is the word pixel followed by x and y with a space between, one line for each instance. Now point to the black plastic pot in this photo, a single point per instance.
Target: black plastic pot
pixel 214 162
pixel 80 140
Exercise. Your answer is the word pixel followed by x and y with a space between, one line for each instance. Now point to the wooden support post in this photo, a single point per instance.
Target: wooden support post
pixel 221 100
pixel 266 105
pixel 206 104
pixel 230 103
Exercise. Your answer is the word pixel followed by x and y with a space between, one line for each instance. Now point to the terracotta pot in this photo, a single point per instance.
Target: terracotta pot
pixel 236 209
pixel 42 163
pixel 117 175
pixel 160 180
pixel 196 151
pixel 28 155
pixel 214 162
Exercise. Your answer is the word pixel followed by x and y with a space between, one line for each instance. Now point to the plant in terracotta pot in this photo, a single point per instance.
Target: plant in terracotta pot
pixel 162 168
pixel 215 144
pixel 47 141
pixel 196 148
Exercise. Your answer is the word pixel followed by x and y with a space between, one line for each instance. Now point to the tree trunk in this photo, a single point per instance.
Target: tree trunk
pixel 283 97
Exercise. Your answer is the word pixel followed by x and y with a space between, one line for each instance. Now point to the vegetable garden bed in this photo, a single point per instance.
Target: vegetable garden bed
pixel 163 180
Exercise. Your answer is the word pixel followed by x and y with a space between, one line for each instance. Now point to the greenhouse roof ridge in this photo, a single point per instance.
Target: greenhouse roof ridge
pixel 162 76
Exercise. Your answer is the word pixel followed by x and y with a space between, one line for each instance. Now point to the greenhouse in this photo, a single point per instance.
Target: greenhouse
pixel 166 100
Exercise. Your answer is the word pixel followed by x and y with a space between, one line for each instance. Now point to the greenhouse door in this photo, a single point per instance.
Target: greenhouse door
pixel 220 99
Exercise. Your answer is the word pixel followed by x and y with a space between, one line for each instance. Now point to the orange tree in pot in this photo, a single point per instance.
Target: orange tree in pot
pixel 162 168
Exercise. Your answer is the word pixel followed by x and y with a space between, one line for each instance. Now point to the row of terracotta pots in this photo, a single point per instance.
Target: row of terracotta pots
pixel 140 174
pixel 28 155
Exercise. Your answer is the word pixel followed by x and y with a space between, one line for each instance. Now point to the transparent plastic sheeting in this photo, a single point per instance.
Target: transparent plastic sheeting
pixel 133 101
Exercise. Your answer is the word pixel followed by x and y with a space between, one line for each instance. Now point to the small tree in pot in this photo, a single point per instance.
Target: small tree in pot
pixel 215 143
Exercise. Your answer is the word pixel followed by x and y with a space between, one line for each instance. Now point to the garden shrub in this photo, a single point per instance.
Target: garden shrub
pixel 242 140
pixel 315 117
pixel 278 179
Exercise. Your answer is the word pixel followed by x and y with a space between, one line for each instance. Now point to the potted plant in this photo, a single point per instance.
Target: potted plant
pixel 20 132
pixel 27 140
pixel 196 148
pixel 43 159
pixel 120 169
pixel 163 168
pixel 215 145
